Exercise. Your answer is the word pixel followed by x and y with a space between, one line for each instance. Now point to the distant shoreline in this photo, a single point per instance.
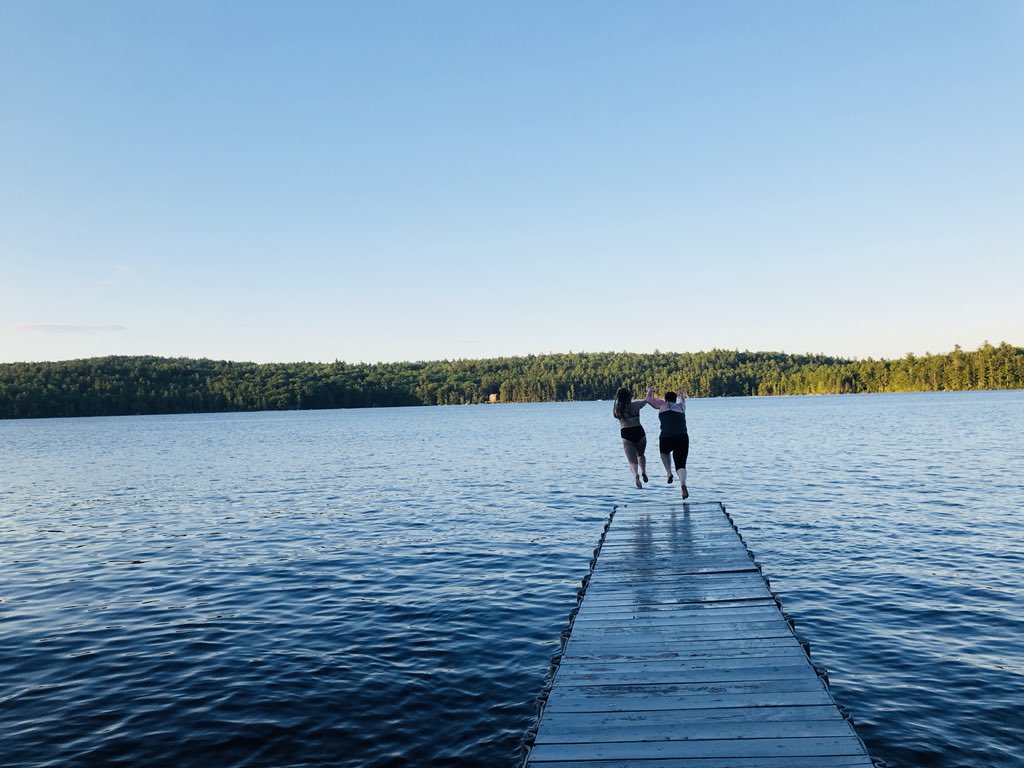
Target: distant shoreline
pixel 119 386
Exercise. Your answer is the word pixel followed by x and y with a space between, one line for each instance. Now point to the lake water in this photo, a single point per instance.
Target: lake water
pixel 386 587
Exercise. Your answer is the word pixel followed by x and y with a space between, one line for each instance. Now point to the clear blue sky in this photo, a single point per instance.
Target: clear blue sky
pixel 280 181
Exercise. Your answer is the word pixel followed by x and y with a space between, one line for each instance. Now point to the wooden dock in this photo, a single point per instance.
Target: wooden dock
pixel 678 655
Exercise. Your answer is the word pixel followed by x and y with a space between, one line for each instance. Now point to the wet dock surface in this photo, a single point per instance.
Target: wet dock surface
pixel 679 655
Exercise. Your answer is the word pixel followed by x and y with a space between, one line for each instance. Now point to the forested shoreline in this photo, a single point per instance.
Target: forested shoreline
pixel 108 386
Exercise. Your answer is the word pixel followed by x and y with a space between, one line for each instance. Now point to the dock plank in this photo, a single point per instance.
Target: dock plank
pixel 842 761
pixel 704 748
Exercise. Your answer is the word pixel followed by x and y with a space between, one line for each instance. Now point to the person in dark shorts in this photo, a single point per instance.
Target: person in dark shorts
pixel 634 438
pixel 674 441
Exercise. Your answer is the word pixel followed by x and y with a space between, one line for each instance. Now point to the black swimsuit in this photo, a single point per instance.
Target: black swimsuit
pixel 634 434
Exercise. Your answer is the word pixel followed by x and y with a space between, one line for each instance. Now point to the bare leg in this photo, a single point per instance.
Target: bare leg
pixel 631 457
pixel 680 455
pixel 641 458
pixel 666 459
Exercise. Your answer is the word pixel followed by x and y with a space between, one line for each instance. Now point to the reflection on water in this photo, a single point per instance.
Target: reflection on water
pixel 377 588
pixel 642 545
pixel 681 542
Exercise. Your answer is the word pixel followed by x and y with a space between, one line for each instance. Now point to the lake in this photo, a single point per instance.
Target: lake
pixel 386 587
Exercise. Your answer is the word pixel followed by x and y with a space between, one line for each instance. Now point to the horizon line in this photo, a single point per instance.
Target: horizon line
pixel 337 361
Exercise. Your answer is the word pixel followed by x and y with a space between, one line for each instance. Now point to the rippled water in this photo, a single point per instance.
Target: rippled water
pixel 385 587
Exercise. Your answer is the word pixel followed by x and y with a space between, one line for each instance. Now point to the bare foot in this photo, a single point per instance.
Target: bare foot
pixel 686 493
pixel 644 476
pixel 638 483
pixel 670 478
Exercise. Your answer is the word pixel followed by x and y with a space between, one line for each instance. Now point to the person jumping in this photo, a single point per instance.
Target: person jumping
pixel 674 441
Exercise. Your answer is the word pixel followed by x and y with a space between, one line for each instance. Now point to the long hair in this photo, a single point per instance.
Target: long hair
pixel 623 404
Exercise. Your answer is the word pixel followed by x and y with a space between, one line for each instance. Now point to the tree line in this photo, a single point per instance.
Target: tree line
pixel 109 386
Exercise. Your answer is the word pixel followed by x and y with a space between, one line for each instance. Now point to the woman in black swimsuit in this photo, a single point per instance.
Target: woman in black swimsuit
pixel 634 439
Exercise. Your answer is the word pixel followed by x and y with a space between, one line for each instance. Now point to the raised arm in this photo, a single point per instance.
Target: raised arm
pixel 657 402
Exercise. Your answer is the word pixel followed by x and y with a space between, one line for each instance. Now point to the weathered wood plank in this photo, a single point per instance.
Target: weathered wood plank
pixel 611 602
pixel 718 674
pixel 712 543
pixel 817 761
pixel 668 726
pixel 719 649
pixel 722 650
pixel 705 580
pixel 609 594
pixel 645 698
pixel 672 575
pixel 676 583
pixel 659 750
pixel 711 697
pixel 679 639
pixel 679 630
pixel 616 604
pixel 574 668
pixel 598 618
pixel 577 721
pixel 725 625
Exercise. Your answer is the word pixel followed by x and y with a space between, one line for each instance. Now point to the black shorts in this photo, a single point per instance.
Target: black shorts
pixel 635 435
pixel 678 446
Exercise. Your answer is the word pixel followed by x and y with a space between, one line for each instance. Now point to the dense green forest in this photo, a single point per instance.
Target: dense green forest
pixel 133 385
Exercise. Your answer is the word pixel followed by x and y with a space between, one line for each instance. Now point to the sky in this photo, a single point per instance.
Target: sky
pixel 400 181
